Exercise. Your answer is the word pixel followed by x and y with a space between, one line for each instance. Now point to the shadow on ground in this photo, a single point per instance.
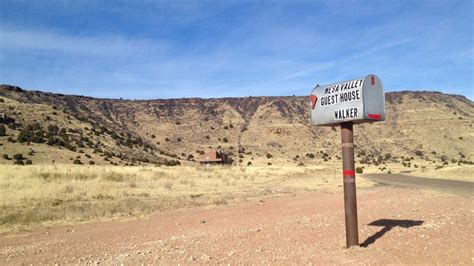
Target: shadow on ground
pixel 388 224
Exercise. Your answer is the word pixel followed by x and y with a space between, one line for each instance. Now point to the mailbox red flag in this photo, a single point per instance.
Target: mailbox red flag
pixel 314 99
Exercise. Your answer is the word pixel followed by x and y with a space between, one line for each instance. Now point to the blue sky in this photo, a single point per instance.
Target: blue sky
pixel 174 49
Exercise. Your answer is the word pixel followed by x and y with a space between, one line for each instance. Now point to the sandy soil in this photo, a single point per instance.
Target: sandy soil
pixel 408 226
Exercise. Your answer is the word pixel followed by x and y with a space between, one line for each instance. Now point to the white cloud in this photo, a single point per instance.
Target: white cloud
pixel 108 45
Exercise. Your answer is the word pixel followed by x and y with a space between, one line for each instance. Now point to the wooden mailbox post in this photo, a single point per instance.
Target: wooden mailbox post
pixel 346 103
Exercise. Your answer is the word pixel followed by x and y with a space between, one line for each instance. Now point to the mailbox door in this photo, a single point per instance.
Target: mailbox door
pixel 374 99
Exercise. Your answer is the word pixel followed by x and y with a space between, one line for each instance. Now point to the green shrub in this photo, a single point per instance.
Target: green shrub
pixel 91 162
pixel 18 156
pixel 32 133
pixel 28 162
pixel 25 135
pixel 359 170
pixel 5 156
pixel 19 162
pixel 171 163
pixel 3 130
pixel 379 159
pixel 77 161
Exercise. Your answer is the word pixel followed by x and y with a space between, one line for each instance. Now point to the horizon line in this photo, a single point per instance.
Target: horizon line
pixel 211 98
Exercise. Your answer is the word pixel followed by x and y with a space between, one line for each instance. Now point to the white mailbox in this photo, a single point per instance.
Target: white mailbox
pixel 359 101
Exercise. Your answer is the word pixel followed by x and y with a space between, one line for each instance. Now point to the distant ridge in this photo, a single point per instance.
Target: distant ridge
pixel 8 87
pixel 165 131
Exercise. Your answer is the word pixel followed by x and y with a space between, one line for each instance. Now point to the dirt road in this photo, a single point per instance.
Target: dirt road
pixel 462 188
pixel 396 225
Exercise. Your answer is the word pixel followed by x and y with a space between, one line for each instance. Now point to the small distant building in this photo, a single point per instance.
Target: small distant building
pixel 215 157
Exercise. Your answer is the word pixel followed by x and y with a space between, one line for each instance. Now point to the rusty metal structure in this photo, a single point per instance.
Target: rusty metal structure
pixel 214 157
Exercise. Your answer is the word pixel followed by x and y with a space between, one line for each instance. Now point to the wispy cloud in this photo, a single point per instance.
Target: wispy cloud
pixel 55 42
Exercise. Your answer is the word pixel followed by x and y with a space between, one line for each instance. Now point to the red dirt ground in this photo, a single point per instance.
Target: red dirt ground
pixel 307 228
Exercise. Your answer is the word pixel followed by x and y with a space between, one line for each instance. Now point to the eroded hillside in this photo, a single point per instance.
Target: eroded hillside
pixel 428 126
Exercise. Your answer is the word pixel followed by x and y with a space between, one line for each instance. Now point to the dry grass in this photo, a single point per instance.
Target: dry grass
pixel 426 169
pixel 463 173
pixel 36 196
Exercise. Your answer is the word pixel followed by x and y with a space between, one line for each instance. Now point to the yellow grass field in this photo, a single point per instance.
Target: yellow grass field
pixel 39 196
